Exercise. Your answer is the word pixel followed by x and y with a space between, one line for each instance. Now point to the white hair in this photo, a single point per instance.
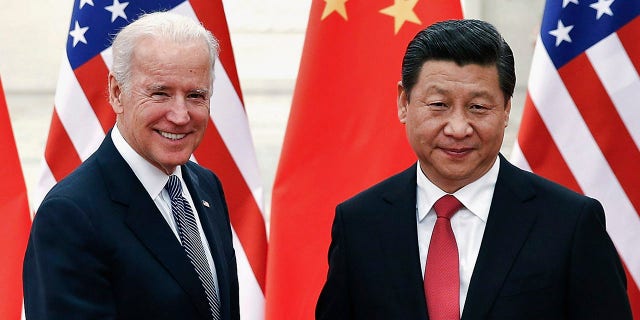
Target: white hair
pixel 164 25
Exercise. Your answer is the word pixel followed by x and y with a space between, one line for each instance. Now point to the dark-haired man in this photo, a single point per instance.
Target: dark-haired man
pixel 463 233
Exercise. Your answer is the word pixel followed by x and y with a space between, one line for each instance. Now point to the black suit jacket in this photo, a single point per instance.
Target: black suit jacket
pixel 100 249
pixel 545 254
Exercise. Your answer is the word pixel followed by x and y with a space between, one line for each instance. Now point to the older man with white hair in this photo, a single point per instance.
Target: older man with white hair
pixel 138 231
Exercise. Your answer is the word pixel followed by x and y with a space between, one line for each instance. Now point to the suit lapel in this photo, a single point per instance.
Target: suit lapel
pixel 145 220
pixel 399 240
pixel 507 229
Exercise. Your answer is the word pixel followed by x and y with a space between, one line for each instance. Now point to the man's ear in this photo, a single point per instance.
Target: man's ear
pixel 115 93
pixel 507 111
pixel 403 102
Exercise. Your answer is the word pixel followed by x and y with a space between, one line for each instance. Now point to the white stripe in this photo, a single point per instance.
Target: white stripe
pixel 620 79
pixel 76 114
pixel 518 158
pixel 230 119
pixel 594 176
pixel 107 57
pixel 45 183
pixel 251 296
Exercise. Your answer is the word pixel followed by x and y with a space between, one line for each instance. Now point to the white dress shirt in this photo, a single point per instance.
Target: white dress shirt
pixel 468 223
pixel 154 180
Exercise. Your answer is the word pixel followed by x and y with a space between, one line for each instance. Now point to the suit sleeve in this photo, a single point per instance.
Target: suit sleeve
pixel 597 288
pixel 334 300
pixel 64 275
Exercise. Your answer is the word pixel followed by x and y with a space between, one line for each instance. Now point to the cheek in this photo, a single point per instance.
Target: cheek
pixel 200 115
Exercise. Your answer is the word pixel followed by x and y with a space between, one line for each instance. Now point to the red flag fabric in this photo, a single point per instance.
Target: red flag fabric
pixel 16 221
pixel 343 134
pixel 82 116
pixel 580 125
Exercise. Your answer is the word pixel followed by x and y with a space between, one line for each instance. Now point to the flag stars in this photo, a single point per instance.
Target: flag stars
pixel 602 7
pixel 561 33
pixel 402 11
pixel 565 3
pixel 83 2
pixel 117 10
pixel 335 6
pixel 78 34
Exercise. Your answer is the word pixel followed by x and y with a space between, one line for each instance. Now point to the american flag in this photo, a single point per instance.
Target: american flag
pixel 82 116
pixel 581 122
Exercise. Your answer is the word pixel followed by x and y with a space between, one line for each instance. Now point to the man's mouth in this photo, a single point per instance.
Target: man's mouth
pixel 172 136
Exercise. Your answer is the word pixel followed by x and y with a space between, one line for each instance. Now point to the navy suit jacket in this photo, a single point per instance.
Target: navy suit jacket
pixel 545 254
pixel 100 249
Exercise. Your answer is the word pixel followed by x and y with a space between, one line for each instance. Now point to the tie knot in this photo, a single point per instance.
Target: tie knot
pixel 174 187
pixel 447 206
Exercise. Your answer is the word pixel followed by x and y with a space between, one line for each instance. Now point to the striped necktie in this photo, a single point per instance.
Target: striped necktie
pixel 191 241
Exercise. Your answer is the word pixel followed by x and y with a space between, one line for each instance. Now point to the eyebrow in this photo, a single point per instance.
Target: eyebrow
pixel 474 94
pixel 204 92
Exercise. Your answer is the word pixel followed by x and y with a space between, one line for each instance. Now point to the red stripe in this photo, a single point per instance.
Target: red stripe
pixel 211 14
pixel 628 35
pixel 634 295
pixel 244 212
pixel 541 151
pixel 60 154
pixel 92 76
pixel 605 124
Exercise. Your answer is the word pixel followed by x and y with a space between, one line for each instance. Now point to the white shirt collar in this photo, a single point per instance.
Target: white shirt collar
pixel 476 196
pixel 152 178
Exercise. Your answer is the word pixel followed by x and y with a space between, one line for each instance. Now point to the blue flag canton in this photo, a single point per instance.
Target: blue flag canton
pixel 569 27
pixel 94 23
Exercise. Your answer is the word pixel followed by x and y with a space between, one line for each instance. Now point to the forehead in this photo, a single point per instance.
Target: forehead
pixel 441 75
pixel 170 59
pixel 158 49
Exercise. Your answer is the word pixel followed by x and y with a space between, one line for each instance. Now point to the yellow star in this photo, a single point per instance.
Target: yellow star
pixel 334 5
pixel 401 11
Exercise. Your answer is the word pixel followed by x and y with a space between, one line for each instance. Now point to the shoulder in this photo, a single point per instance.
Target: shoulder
pixel 400 185
pixel 529 186
pixel 201 173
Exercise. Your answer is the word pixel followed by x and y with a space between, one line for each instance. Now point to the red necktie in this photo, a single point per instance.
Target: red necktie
pixel 442 275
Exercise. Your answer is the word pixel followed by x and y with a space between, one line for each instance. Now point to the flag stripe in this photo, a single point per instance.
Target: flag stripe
pixel 76 114
pixel 633 292
pixel 609 132
pixel 543 154
pixel 60 154
pixel 92 72
pixel 629 37
pixel 231 122
pixel 620 78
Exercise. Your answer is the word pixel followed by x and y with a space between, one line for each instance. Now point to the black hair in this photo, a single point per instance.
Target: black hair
pixel 464 42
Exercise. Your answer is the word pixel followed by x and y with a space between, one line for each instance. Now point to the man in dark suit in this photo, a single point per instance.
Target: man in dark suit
pixel 110 241
pixel 463 234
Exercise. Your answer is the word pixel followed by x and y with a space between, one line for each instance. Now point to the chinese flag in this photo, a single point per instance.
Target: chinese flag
pixel 343 134
pixel 15 217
